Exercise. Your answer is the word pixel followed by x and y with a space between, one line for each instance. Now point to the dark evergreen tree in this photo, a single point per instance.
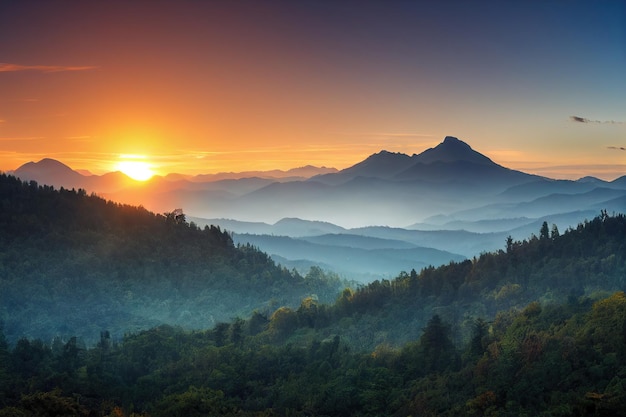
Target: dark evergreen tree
pixel 478 340
pixel 544 233
pixel 436 347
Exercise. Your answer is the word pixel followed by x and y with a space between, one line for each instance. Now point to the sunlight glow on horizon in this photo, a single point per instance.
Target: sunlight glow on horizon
pixel 134 167
pixel 244 87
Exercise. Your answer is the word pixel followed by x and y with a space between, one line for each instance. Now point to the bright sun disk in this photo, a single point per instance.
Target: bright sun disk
pixel 137 170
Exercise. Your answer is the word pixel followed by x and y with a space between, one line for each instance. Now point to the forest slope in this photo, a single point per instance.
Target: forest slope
pixel 534 329
pixel 589 260
pixel 73 264
pixel 553 360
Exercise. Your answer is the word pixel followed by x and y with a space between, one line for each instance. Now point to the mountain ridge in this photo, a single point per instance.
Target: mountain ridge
pixel 386 188
pixel 450 150
pixel 90 265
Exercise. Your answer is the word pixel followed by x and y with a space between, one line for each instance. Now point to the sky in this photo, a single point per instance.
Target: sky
pixel 219 86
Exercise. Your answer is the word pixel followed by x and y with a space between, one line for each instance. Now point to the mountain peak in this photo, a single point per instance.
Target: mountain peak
pixel 51 172
pixel 450 150
pixel 452 141
pixel 381 164
pixel 44 167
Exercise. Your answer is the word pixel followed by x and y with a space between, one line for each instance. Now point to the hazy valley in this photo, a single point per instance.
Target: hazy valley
pixel 502 294
pixel 388 213
pixel 112 310
pixel 253 209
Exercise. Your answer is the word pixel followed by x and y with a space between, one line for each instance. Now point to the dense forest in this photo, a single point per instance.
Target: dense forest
pixel 537 328
pixel 554 360
pixel 73 264
pixel 589 260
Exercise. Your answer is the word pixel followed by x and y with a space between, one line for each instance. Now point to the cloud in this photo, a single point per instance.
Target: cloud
pixel 7 67
pixel 387 135
pixel 401 135
pixel 616 148
pixel 578 119
pixel 20 139
pixel 80 138
pixel 608 172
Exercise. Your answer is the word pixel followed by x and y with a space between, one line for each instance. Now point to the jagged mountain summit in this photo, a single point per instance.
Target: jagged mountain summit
pixel 387 188
pixel 451 161
pixel 455 164
pixel 383 165
pixel 452 150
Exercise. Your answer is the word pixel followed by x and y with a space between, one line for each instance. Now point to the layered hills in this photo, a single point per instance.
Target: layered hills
pixel 75 264
pixel 450 198
pixel 535 329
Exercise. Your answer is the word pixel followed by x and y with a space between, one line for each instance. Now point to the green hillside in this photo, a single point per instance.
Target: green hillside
pixel 75 265
pixel 535 329
pixel 588 261
pixel 554 360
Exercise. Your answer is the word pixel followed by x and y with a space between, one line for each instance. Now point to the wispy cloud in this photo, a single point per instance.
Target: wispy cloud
pixel 80 138
pixel 399 135
pixel 18 139
pixel 578 119
pixel 388 135
pixel 606 172
pixel 616 148
pixel 8 67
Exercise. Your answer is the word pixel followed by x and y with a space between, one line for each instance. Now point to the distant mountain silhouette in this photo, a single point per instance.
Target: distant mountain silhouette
pixel 380 165
pixel 300 173
pixel 347 255
pixel 386 189
pixel 452 161
pixel 118 186
pixel 51 172
pixel 592 180
pixel 298 227
pixel 452 150
pixel 619 182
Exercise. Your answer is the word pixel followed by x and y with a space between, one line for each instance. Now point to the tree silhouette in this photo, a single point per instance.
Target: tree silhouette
pixel 436 347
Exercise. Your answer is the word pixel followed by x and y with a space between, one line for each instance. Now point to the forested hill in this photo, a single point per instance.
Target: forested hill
pixel 76 265
pixel 545 359
pixel 548 268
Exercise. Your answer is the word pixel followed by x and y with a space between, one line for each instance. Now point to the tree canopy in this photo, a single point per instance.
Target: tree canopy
pixel 73 264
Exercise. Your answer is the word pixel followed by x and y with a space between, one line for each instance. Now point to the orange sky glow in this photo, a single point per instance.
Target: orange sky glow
pixel 207 87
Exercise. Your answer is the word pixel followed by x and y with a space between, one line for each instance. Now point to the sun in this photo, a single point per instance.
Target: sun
pixel 137 170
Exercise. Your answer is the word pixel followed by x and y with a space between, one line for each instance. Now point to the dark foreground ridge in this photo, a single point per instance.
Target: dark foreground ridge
pixel 75 265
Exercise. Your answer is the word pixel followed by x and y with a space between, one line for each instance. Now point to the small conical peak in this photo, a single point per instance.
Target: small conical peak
pixel 452 141
pixel 44 164
pixel 452 149
pixel 384 152
pixel 49 162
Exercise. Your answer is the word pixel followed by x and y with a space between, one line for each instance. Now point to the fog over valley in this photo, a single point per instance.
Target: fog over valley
pixel 388 213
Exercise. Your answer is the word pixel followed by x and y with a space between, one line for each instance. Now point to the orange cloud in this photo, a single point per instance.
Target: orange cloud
pixel 20 138
pixel 7 67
